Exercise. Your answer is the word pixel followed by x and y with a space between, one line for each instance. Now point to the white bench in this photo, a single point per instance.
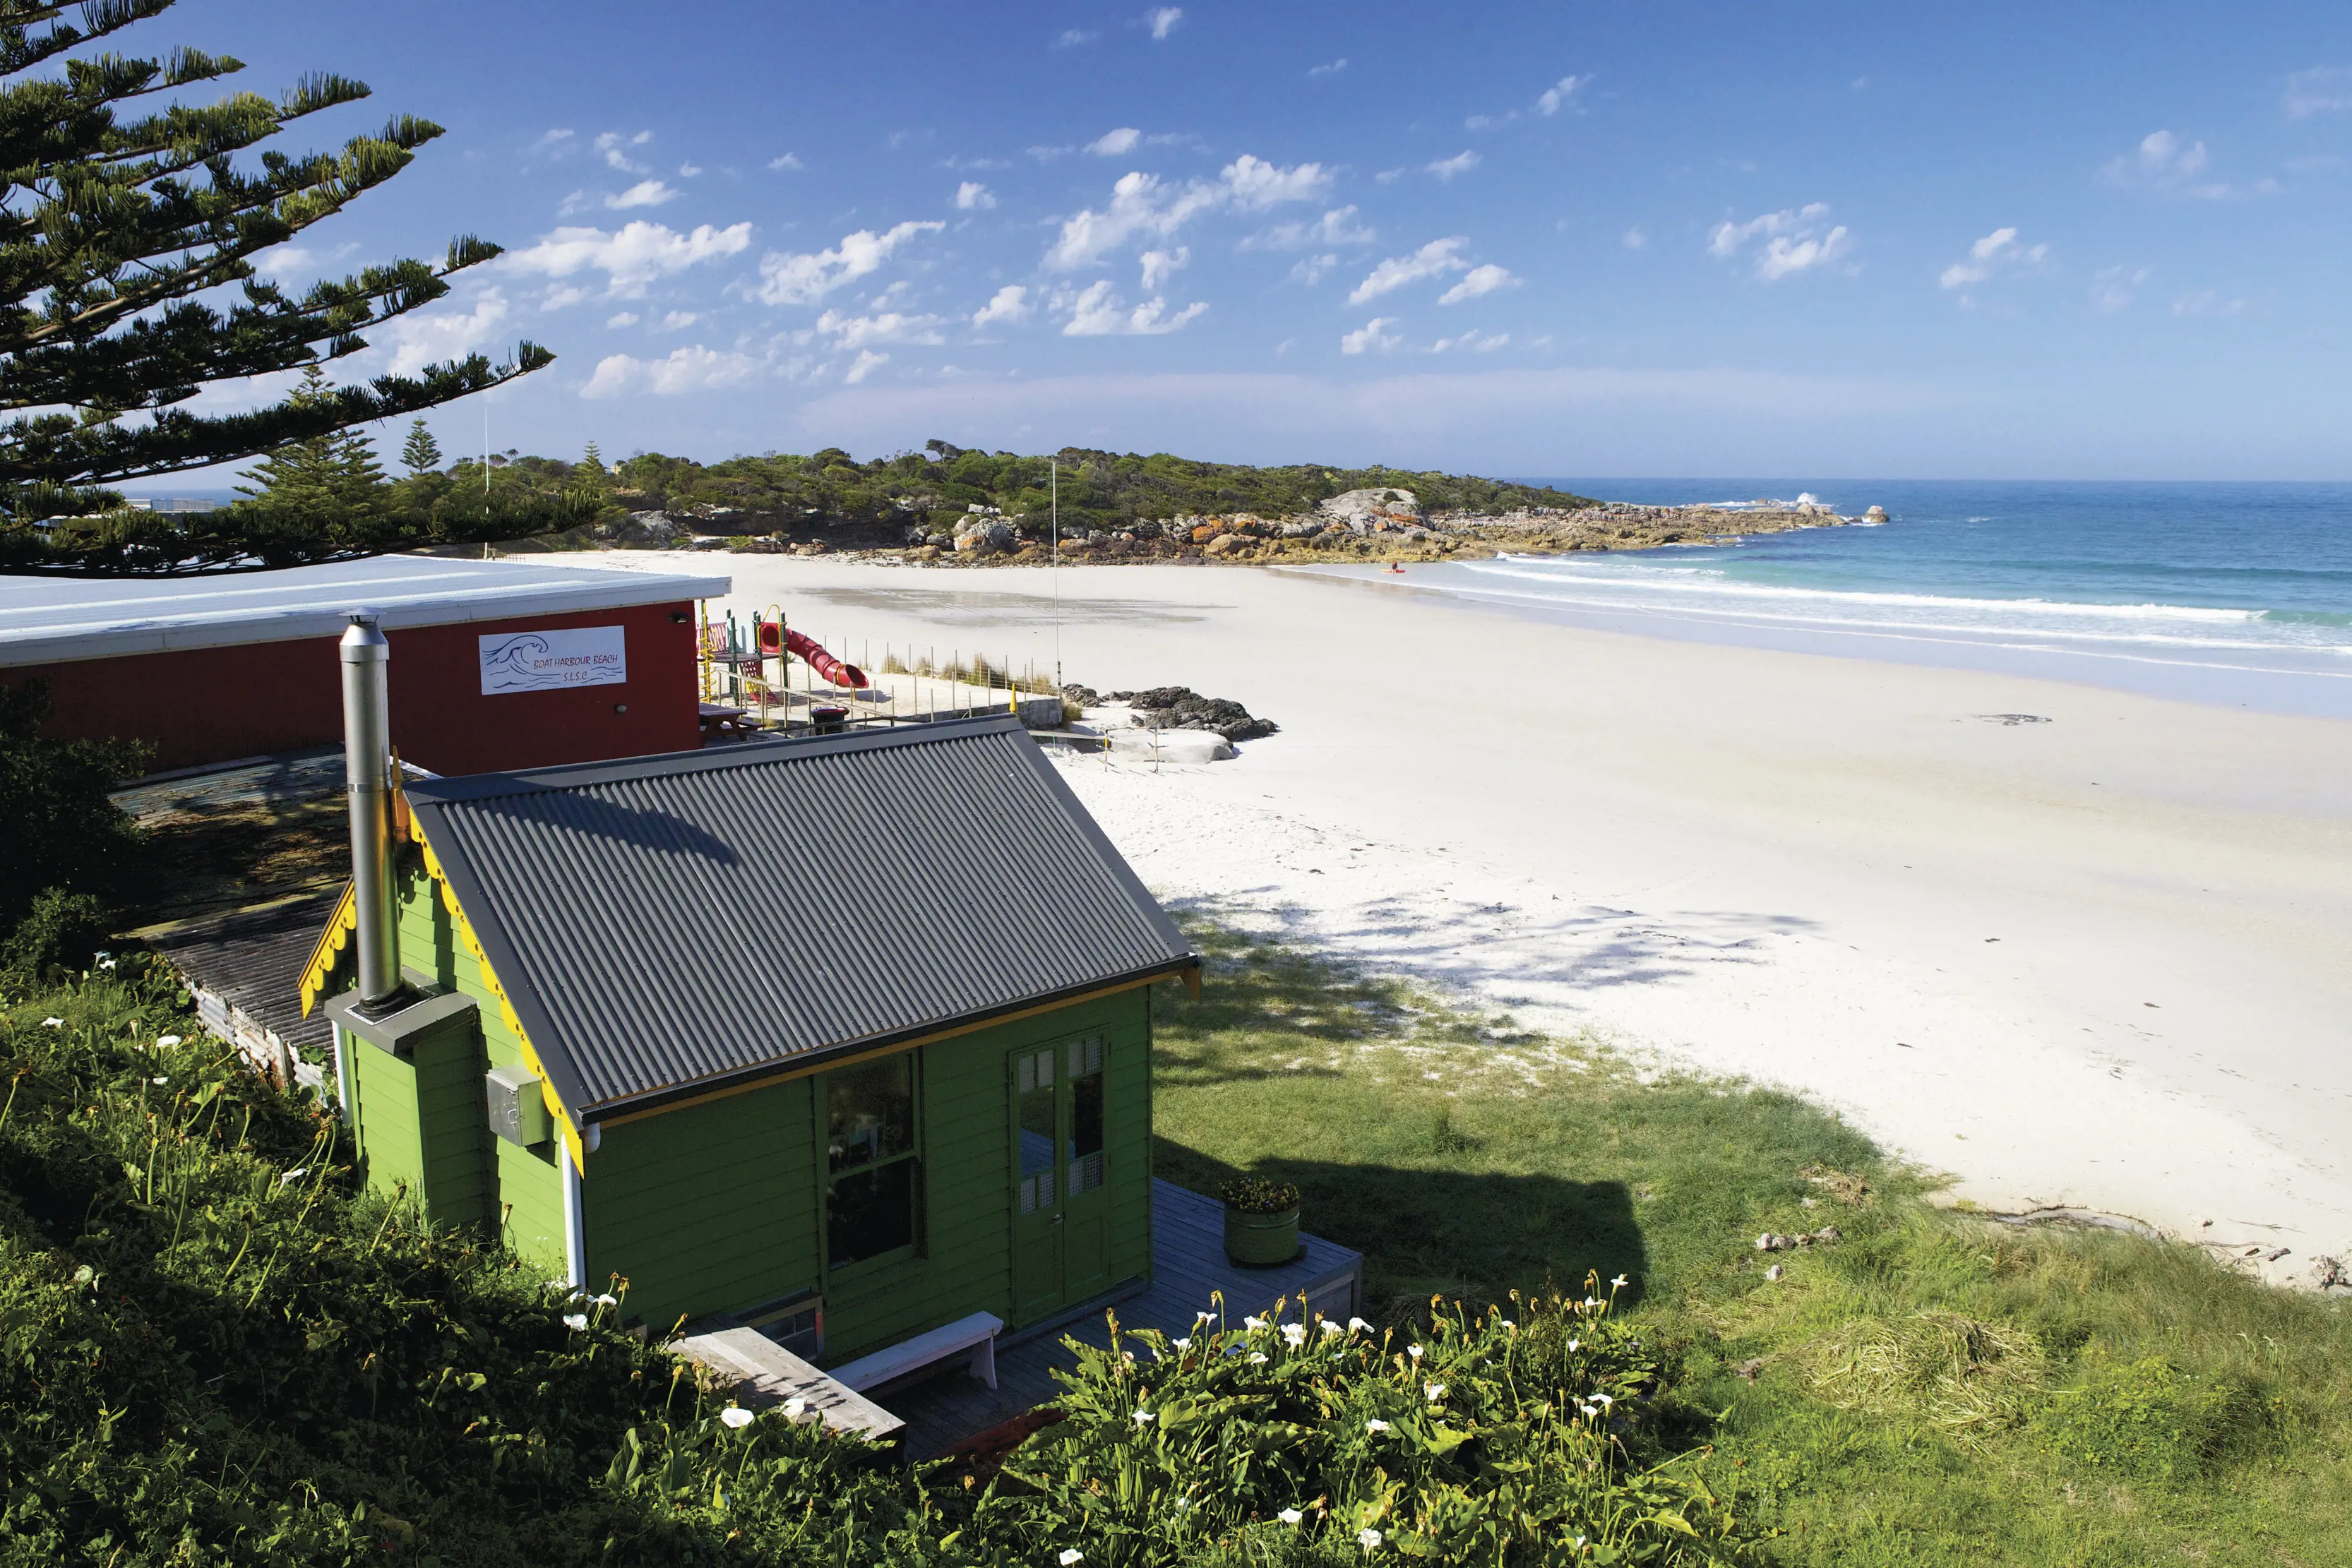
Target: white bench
pixel 974 1336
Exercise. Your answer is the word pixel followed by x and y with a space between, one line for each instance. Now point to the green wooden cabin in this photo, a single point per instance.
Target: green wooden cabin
pixel 848 1037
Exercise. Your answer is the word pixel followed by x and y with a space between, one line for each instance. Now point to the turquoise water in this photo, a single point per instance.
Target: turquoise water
pixel 2230 592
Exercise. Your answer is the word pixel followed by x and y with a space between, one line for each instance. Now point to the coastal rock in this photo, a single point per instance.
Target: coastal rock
pixel 1875 515
pixel 1180 707
pixel 1227 544
pixel 983 536
pixel 1184 748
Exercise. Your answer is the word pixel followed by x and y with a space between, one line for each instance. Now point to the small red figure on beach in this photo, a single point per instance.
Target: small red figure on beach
pixel 1394 567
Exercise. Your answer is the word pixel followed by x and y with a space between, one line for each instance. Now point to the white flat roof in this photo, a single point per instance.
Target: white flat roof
pixel 49 620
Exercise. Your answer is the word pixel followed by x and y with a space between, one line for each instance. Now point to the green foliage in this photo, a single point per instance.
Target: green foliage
pixel 61 931
pixel 420 454
pixel 62 831
pixel 2149 1420
pixel 1254 1195
pixel 121 242
pixel 1479 1438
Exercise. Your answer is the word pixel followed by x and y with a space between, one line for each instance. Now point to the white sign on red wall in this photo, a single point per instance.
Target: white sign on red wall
pixel 552 660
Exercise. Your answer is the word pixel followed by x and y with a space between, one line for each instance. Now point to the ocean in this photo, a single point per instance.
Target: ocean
pixel 2233 593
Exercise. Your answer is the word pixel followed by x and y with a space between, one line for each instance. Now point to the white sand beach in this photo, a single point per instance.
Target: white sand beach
pixel 2102 961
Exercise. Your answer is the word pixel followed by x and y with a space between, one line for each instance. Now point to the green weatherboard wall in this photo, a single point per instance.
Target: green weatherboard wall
pixel 719 1207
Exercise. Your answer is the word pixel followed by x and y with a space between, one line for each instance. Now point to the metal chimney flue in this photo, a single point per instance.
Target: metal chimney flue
pixel 367 770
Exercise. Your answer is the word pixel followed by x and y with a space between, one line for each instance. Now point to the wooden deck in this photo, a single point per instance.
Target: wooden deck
pixel 1188 1267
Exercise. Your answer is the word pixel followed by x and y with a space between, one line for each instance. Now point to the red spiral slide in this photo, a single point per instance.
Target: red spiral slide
pixel 809 654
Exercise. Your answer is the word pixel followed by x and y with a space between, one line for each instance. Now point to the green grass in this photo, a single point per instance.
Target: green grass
pixel 1933 1389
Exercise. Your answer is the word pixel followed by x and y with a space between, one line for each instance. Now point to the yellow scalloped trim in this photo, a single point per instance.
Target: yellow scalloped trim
pixel 331 943
pixel 465 931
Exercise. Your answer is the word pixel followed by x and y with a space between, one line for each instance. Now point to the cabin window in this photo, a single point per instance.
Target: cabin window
pixel 1084 1160
pixel 876 1176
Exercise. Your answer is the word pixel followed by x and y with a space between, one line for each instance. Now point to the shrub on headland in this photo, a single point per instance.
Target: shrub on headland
pixel 216 1348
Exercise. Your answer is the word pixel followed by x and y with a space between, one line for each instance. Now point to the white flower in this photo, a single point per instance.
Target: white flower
pixel 735 1415
pixel 1294 1334
pixel 1290 1516
pixel 167 1040
pixel 558 1284
pixel 1145 1417
pixel 608 1300
pixel 575 1321
pixel 1257 1358
pixel 53 1023
pixel 1357 1325
pixel 1413 1351
pixel 1514 1327
pixel 1375 1425
pixel 795 1408
pixel 1572 1345
pixel 1604 1400
pixel 1179 1344
pixel 105 963
pixel 1070 1555
pixel 1436 1391
pixel 1204 1317
pixel 1252 1324
pixel 296 1174
pixel 1330 1328
pixel 1617 1283
pixel 162 1078
pixel 1368 1537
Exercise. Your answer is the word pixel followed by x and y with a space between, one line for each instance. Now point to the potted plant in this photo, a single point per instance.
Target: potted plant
pixel 1261 1221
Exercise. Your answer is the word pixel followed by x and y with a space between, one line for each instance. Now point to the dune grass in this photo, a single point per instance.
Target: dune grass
pixel 1933 1388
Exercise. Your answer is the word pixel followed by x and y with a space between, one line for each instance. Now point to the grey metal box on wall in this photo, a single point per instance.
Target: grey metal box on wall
pixel 518 1109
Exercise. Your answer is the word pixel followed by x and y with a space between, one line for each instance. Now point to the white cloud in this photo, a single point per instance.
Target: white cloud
pixel 418 340
pixel 1337 226
pixel 1115 143
pixel 1794 239
pixel 865 365
pixel 1561 94
pixel 1447 168
pixel 559 295
pixel 1142 206
pixel 644 194
pixel 1478 281
pixel 1373 335
pixel 613 145
pixel 971 196
pixel 688 171
pixel 1634 238
pixel 1334 68
pixel 1008 304
pixel 1309 270
pixel 697 369
pixel 789 278
pixel 621 318
pixel 2323 89
pixel 1434 259
pixel 630 258
pixel 1163 19
pixel 284 261
pixel 2111 287
pixel 1998 252
pixel 2163 161
pixel 678 319
pixel 1471 342
pixel 553 142
pixel 885 326
pixel 1074 36
pixel 1255 185
pixel 1096 312
pixel 1159 266
pixel 2207 303
pixel 786 161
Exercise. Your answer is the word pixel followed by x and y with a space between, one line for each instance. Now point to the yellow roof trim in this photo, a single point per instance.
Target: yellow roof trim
pixel 330 944
pixel 473 946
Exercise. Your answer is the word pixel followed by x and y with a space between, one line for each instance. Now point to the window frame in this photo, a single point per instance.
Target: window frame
pixel 828 1178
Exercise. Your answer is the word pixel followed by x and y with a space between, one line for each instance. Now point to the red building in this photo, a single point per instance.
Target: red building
pixel 495 665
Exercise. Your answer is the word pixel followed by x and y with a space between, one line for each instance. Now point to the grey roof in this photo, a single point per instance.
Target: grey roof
pixel 253 960
pixel 46 620
pixel 668 925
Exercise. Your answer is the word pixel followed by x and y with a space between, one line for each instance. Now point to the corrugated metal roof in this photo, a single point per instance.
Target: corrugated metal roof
pixel 668 925
pixel 48 619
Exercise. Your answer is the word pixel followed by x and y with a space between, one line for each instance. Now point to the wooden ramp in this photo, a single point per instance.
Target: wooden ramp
pixel 1188 1268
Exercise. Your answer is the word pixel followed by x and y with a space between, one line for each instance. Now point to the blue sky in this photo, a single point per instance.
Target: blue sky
pixel 2002 240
